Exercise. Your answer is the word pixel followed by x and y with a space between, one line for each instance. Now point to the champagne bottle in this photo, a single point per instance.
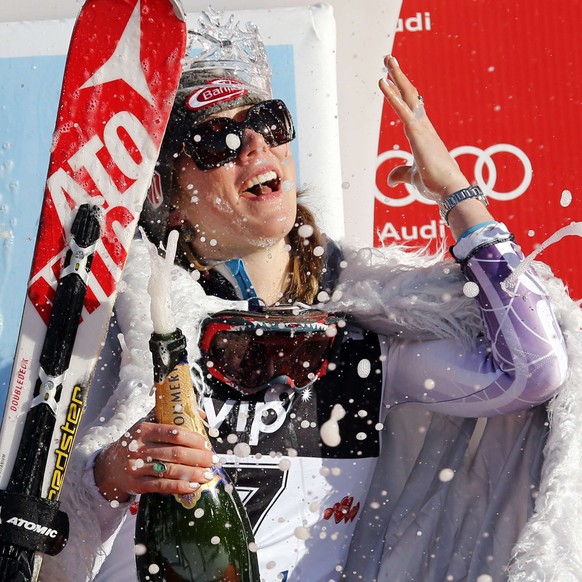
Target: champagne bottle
pixel 203 536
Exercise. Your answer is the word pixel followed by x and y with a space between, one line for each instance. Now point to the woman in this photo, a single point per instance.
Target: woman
pixel 229 186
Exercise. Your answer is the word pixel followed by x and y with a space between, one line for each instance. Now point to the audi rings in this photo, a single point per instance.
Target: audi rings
pixel 485 173
pixel 160 468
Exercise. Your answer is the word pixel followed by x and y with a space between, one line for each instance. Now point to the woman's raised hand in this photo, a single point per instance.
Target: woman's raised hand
pixel 435 174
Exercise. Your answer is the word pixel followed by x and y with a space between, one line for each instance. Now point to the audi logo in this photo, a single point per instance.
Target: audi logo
pixel 484 159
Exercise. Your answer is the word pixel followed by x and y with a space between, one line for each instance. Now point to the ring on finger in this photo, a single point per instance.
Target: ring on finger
pixel 420 99
pixel 160 468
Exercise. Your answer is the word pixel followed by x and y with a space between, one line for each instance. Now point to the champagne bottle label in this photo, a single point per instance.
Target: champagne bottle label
pixel 176 404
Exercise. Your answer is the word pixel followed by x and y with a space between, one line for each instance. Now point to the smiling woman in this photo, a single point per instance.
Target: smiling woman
pixel 229 176
pixel 228 172
pixel 341 425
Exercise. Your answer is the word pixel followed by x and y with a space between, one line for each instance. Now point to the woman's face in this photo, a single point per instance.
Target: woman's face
pixel 242 206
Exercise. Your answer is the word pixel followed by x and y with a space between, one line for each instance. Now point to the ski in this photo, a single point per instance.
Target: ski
pixel 121 74
pixel 21 501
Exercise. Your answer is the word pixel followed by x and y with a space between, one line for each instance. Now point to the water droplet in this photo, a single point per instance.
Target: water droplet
pixel 305 230
pixel 329 431
pixel 566 198
pixel 364 368
pixel 331 332
pixel 284 464
pixel 470 289
pixel 242 450
pixel 446 475
pixel 140 549
pixel 233 141
pixel 301 533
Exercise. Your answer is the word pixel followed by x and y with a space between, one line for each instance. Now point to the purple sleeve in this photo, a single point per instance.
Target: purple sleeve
pixel 520 362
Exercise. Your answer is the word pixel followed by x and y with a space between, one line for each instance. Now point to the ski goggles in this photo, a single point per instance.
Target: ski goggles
pixel 219 140
pixel 250 351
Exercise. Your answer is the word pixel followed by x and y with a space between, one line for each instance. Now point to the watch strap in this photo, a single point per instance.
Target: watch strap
pixel 456 197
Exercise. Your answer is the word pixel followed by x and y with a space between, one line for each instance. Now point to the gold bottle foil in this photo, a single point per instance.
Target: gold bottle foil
pixel 176 404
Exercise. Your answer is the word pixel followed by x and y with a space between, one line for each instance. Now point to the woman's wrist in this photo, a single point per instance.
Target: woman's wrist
pixel 103 474
pixel 452 200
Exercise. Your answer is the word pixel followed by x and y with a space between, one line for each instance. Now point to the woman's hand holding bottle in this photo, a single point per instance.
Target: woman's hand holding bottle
pixel 131 464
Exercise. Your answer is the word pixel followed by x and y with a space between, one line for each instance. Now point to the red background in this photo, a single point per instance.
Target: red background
pixel 490 72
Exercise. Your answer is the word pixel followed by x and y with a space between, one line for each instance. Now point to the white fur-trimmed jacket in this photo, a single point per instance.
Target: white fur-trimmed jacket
pixel 406 297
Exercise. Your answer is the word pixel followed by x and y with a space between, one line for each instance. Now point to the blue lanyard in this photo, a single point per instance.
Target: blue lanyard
pixel 237 268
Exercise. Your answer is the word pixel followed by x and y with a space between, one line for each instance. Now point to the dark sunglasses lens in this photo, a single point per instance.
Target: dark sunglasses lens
pixel 273 120
pixel 218 141
pixel 214 143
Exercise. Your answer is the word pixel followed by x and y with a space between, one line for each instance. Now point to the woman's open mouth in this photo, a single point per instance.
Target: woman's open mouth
pixel 263 184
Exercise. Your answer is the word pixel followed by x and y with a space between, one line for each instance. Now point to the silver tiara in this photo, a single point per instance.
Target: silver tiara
pixel 227 51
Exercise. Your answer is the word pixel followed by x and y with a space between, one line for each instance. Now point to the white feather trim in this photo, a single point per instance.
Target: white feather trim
pixel 550 546
pixel 393 292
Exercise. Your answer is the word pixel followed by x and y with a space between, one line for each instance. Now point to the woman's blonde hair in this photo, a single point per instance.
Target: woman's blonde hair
pixel 306 260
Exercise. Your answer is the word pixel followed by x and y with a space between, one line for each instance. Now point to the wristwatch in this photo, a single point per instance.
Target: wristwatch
pixel 465 194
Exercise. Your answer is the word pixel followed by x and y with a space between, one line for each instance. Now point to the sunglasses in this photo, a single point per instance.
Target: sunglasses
pixel 219 140
pixel 251 351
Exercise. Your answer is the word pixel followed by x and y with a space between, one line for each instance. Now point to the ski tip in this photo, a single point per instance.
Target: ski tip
pixel 178 10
